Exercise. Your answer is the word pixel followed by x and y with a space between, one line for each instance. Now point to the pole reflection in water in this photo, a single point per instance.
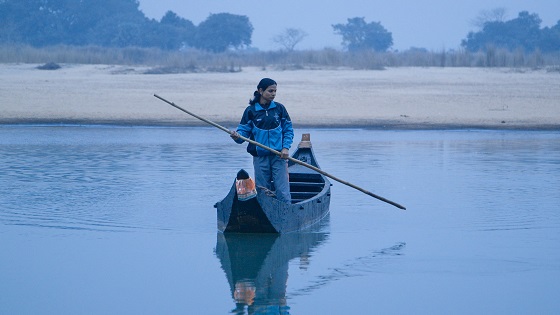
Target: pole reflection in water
pixel 256 267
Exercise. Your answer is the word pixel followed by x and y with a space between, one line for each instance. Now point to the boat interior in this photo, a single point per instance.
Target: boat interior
pixel 304 186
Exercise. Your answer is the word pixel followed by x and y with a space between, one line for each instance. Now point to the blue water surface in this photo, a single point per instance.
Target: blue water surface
pixel 120 220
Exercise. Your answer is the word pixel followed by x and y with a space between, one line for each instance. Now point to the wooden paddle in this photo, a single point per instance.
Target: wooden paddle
pixel 318 170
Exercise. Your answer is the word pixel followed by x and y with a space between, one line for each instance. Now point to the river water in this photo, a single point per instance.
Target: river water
pixel 120 220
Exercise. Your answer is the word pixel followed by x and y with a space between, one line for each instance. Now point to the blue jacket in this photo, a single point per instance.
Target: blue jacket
pixel 271 127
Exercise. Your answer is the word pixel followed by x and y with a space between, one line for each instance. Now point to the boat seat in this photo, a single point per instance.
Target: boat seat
pixel 303 195
pixel 302 191
pixel 306 176
pixel 306 187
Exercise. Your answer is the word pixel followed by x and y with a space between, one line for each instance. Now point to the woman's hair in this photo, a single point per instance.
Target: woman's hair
pixel 263 84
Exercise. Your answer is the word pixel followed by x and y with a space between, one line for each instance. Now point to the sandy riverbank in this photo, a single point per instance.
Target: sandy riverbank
pixel 391 98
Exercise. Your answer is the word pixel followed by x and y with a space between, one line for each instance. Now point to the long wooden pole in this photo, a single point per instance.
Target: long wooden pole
pixel 318 170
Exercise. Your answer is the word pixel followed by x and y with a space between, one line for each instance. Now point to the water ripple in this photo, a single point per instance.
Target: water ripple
pixel 358 266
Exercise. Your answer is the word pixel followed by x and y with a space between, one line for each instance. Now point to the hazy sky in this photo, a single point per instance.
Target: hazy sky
pixel 431 24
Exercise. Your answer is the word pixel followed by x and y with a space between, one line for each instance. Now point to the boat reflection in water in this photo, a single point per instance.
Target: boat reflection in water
pixel 256 266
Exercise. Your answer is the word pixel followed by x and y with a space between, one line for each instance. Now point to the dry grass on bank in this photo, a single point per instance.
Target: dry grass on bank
pixel 198 61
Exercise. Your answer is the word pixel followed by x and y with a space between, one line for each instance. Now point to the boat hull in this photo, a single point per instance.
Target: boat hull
pixel 265 214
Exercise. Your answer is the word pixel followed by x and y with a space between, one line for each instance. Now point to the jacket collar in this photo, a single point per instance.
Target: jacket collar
pixel 259 107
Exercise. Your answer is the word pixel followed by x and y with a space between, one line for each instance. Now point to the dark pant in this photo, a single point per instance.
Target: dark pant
pixel 271 172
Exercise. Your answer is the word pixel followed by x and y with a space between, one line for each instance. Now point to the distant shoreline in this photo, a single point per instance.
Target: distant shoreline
pixel 392 99
pixel 232 125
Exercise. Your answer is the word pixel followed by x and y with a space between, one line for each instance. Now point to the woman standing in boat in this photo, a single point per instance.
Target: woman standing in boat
pixel 268 123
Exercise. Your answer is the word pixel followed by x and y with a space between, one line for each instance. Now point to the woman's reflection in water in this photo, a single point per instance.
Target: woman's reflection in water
pixel 256 266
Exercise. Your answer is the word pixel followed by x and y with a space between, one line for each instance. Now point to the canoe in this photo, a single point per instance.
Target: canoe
pixel 310 191
pixel 256 266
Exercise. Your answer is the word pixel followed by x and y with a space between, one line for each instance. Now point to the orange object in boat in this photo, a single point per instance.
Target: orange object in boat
pixel 245 189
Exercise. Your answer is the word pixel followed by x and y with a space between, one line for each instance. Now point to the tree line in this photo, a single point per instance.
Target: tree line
pixel 120 23
pixel 523 32
pixel 115 23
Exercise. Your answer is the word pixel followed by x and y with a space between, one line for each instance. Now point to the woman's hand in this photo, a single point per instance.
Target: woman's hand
pixel 234 135
pixel 285 153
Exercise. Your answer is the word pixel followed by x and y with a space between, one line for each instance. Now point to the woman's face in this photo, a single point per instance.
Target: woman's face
pixel 268 95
